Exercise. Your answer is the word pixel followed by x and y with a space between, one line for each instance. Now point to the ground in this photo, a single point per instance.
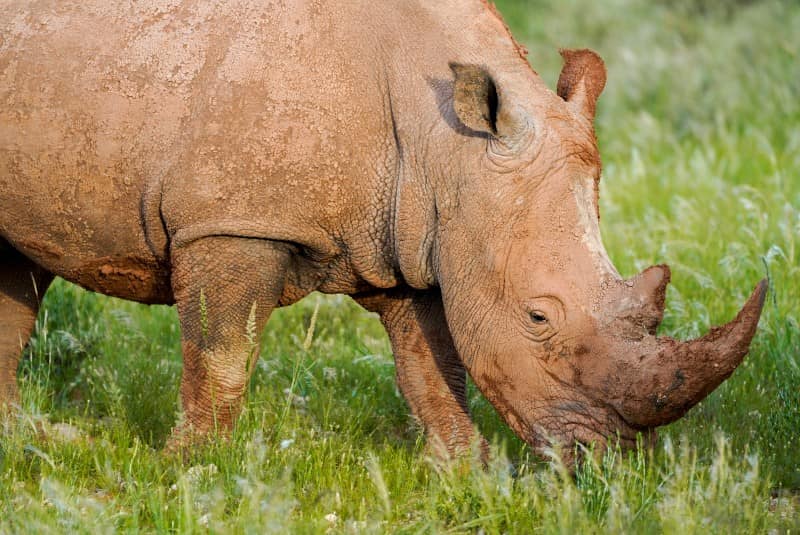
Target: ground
pixel 698 128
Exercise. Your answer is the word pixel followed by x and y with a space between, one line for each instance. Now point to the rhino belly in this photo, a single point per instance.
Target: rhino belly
pixel 83 233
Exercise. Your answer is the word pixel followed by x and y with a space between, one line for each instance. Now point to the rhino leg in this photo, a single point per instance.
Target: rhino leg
pixel 22 286
pixel 225 289
pixel 429 372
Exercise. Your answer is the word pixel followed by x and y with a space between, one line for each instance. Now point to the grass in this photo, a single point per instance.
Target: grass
pixel 699 128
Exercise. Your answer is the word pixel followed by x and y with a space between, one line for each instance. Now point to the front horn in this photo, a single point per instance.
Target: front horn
pixel 678 375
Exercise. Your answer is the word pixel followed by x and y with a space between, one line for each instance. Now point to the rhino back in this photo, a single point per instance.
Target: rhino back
pixel 123 125
pixel 130 128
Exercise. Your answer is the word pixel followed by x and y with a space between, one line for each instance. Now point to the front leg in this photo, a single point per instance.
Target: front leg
pixel 225 289
pixel 429 372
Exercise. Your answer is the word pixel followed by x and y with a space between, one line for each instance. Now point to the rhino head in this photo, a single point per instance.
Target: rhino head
pixel 557 341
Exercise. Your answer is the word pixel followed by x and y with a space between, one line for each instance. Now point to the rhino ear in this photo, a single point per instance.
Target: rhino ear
pixel 475 98
pixel 582 79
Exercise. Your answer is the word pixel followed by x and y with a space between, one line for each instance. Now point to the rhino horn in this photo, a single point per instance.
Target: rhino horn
pixel 645 298
pixel 678 375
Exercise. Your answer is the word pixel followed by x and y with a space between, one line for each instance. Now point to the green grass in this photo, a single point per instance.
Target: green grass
pixel 699 128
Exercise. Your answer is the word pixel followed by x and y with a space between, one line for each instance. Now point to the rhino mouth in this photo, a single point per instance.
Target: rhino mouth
pixel 578 427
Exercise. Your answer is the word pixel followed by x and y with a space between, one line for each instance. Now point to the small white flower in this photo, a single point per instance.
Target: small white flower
pixel 65 432
pixel 332 518
pixel 195 473
pixel 296 399
pixel 329 374
pixel 285 443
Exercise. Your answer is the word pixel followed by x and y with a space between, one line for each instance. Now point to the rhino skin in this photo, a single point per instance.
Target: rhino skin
pixel 403 153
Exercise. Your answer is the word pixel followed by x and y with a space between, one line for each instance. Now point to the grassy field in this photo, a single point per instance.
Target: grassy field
pixel 699 128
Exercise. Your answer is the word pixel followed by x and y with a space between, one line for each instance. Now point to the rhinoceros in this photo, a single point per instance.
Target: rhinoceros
pixel 232 156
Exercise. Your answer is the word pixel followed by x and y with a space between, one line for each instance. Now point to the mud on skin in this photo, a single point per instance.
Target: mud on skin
pixel 174 150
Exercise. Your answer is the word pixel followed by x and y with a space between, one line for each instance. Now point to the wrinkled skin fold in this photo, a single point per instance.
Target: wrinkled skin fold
pixel 230 157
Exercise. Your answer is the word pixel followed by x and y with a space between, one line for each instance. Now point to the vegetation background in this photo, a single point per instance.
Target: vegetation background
pixel 699 128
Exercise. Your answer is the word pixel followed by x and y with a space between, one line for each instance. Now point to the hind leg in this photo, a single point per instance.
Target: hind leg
pixel 22 286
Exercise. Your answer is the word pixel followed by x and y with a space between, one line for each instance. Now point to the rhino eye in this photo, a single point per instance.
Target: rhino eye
pixel 545 315
pixel 538 318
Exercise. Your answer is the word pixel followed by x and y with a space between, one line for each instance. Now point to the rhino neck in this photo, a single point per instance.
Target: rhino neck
pixel 412 210
pixel 430 148
pixel 431 145
pixel 411 110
